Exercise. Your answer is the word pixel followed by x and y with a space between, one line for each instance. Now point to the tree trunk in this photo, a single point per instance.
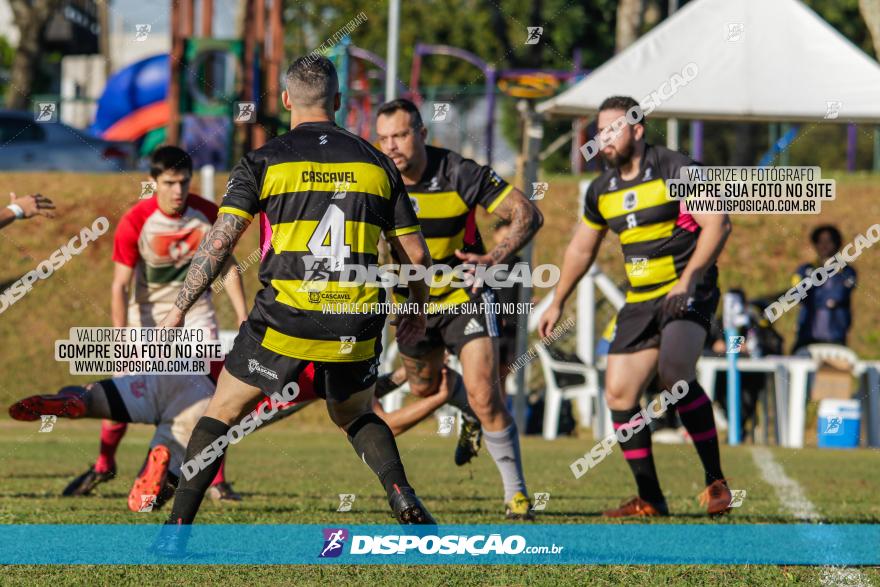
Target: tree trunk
pixel 30 17
pixel 629 23
pixel 104 38
pixel 870 10
pixel 653 15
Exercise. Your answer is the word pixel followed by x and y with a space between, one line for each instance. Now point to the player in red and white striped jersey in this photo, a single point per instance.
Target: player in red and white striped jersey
pixel 152 250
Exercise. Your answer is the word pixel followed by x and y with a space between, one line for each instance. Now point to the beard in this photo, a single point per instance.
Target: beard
pixel 622 156
pixel 405 165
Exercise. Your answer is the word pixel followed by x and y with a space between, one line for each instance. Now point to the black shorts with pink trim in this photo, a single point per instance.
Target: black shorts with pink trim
pixel 639 325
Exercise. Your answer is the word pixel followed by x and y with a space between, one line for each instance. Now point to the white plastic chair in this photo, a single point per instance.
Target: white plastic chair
pixel 585 393
pixel 833 352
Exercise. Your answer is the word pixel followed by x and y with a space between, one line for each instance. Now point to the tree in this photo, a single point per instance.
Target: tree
pixel 30 17
pixel 870 10
pixel 629 23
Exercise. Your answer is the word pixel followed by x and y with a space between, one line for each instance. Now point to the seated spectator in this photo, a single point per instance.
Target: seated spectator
pixel 826 312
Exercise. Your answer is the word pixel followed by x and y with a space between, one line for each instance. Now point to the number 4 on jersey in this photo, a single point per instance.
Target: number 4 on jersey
pixel 328 240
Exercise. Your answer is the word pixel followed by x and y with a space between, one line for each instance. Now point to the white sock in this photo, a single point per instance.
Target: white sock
pixel 504 448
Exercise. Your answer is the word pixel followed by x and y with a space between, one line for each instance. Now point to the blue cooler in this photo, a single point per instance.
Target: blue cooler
pixel 839 421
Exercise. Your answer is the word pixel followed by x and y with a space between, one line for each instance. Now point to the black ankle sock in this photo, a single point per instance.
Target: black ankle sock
pixel 374 443
pixel 637 452
pixel 190 492
pixel 695 411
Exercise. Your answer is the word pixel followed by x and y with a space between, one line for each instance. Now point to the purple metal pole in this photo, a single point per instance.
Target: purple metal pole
pixel 370 57
pixel 852 135
pixel 697 140
pixel 490 101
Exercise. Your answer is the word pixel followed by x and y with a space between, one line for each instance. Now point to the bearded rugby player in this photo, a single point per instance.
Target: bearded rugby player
pixel 670 263
pixel 446 189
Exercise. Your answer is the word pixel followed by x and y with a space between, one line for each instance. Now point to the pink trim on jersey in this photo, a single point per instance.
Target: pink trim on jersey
pixel 693 405
pixel 622 425
pixel 470 228
pixel 637 453
pixel 685 220
pixel 703 436
pixel 265 235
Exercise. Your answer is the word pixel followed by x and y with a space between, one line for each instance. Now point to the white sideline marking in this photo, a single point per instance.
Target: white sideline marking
pixel 789 491
pixel 792 497
pixel 838 576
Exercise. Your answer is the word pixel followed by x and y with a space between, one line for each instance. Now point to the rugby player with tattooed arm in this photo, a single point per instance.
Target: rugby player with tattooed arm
pixel 292 181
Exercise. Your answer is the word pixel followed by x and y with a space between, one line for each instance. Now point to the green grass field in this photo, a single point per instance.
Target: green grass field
pixel 292 472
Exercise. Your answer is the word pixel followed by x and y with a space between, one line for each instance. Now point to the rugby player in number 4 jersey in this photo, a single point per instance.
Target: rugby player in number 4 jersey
pixel 293 180
pixel 447 188
pixel 670 263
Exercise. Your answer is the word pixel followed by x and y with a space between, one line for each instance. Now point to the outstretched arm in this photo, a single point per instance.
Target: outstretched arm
pixel 525 220
pixel 411 414
pixel 26 207
pixel 578 258
pixel 207 264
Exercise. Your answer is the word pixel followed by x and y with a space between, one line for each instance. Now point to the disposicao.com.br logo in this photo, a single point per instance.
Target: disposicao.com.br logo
pixel 334 539
pixel 430 544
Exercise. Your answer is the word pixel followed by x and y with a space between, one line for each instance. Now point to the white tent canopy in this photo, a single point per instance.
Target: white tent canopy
pixel 771 60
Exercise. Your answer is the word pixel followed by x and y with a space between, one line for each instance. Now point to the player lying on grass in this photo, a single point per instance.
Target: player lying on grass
pixel 174 403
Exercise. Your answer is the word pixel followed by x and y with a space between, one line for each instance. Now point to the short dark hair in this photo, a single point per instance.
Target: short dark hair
pixel 831 230
pixel 169 157
pixel 622 103
pixel 312 81
pixel 389 108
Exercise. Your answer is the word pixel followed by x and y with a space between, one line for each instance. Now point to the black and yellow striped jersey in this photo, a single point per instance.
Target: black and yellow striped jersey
pixel 657 236
pixel 326 195
pixel 445 200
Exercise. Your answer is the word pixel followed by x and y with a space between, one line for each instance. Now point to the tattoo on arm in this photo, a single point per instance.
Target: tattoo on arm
pixel 525 220
pixel 419 372
pixel 210 259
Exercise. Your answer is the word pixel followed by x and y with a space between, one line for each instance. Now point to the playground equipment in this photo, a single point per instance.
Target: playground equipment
pixel 509 81
pixel 226 71
pixel 133 106
pixel 190 96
